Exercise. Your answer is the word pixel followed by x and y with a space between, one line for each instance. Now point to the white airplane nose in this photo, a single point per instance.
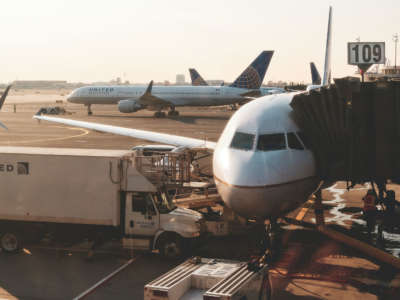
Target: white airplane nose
pixel 72 97
pixel 260 184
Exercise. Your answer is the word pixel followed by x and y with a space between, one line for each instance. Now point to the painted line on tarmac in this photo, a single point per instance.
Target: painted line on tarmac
pixel 69 249
pixel 84 132
pixel 104 280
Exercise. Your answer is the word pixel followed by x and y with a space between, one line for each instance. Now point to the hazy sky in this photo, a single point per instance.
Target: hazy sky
pixel 85 40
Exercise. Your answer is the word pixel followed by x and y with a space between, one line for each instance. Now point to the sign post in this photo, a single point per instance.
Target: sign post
pixel 365 54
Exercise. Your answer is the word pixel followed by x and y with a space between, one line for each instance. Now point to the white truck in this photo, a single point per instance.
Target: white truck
pixel 210 279
pixel 88 193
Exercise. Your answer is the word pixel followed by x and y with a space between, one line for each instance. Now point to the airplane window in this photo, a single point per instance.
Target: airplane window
pixel 243 141
pixel 293 142
pixel 304 139
pixel 271 142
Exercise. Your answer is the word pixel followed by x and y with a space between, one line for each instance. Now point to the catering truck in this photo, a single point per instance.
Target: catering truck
pixel 89 193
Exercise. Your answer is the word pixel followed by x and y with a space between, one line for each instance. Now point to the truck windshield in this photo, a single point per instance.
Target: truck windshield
pixel 164 203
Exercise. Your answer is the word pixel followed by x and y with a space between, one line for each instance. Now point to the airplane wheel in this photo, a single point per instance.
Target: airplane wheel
pixel 159 114
pixel 171 246
pixel 173 113
pixel 10 242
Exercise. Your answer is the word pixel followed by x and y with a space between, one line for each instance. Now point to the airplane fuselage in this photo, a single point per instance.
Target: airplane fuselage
pixel 176 95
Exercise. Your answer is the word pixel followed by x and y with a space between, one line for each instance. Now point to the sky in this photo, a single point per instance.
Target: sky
pixel 139 41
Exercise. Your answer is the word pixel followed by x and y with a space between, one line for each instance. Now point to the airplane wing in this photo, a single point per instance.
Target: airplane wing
pixel 163 138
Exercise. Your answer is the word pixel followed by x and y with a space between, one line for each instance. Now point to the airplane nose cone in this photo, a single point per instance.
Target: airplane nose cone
pixel 260 185
pixel 72 97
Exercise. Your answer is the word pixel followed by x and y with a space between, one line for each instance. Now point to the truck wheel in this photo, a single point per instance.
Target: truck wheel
pixel 171 246
pixel 10 242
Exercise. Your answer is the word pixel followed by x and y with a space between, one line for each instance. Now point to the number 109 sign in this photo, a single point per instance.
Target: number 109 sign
pixel 365 53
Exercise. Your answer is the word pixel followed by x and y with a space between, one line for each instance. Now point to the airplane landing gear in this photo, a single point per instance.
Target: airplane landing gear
pixel 267 255
pixel 233 106
pixel 173 112
pixel 159 114
pixel 89 111
pixel 269 241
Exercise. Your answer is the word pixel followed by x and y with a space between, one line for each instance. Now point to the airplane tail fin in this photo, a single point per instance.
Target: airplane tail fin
pixel 327 67
pixel 316 78
pixel 196 78
pixel 4 96
pixel 253 76
pixel 2 99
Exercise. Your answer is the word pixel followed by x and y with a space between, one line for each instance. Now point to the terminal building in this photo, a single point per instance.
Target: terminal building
pixel 387 73
pixel 180 79
pixel 42 84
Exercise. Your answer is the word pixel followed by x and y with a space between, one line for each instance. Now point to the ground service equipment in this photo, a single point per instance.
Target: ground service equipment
pixel 87 193
pixel 208 279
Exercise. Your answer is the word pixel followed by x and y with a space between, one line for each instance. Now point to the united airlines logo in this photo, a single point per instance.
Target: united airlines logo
pixel 199 81
pixel 250 79
pixel 23 168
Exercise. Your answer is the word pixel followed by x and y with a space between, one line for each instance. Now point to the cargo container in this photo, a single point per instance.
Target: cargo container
pixel 89 193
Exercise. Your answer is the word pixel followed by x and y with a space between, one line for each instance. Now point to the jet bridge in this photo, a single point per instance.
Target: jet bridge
pixel 353 129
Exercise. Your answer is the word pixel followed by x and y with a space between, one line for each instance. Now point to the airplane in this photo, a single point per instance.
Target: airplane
pixel 2 100
pixel 197 80
pixel 133 98
pixel 262 165
pixel 315 77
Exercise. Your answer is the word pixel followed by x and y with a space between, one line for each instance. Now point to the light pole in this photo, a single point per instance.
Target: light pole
pixel 395 40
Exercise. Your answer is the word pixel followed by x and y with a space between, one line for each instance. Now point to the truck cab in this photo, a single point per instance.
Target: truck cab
pixel 152 222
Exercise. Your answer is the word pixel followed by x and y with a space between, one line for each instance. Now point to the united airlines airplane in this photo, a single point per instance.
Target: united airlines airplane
pixel 262 164
pixel 197 80
pixel 133 98
pixel 2 99
pixel 315 77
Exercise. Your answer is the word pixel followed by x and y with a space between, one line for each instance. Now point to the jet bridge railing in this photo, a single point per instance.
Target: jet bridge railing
pixel 353 129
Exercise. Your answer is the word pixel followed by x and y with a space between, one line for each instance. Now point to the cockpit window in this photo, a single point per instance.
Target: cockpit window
pixel 304 139
pixel 293 142
pixel 243 141
pixel 271 142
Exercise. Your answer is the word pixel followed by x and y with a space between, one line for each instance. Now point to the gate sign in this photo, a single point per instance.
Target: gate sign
pixel 365 53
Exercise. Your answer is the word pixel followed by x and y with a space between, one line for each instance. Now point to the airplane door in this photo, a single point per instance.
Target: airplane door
pixel 141 215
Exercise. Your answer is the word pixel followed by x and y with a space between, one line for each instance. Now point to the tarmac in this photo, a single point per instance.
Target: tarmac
pixel 310 265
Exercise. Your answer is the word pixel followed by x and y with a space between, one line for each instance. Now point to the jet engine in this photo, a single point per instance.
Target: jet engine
pixel 129 106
